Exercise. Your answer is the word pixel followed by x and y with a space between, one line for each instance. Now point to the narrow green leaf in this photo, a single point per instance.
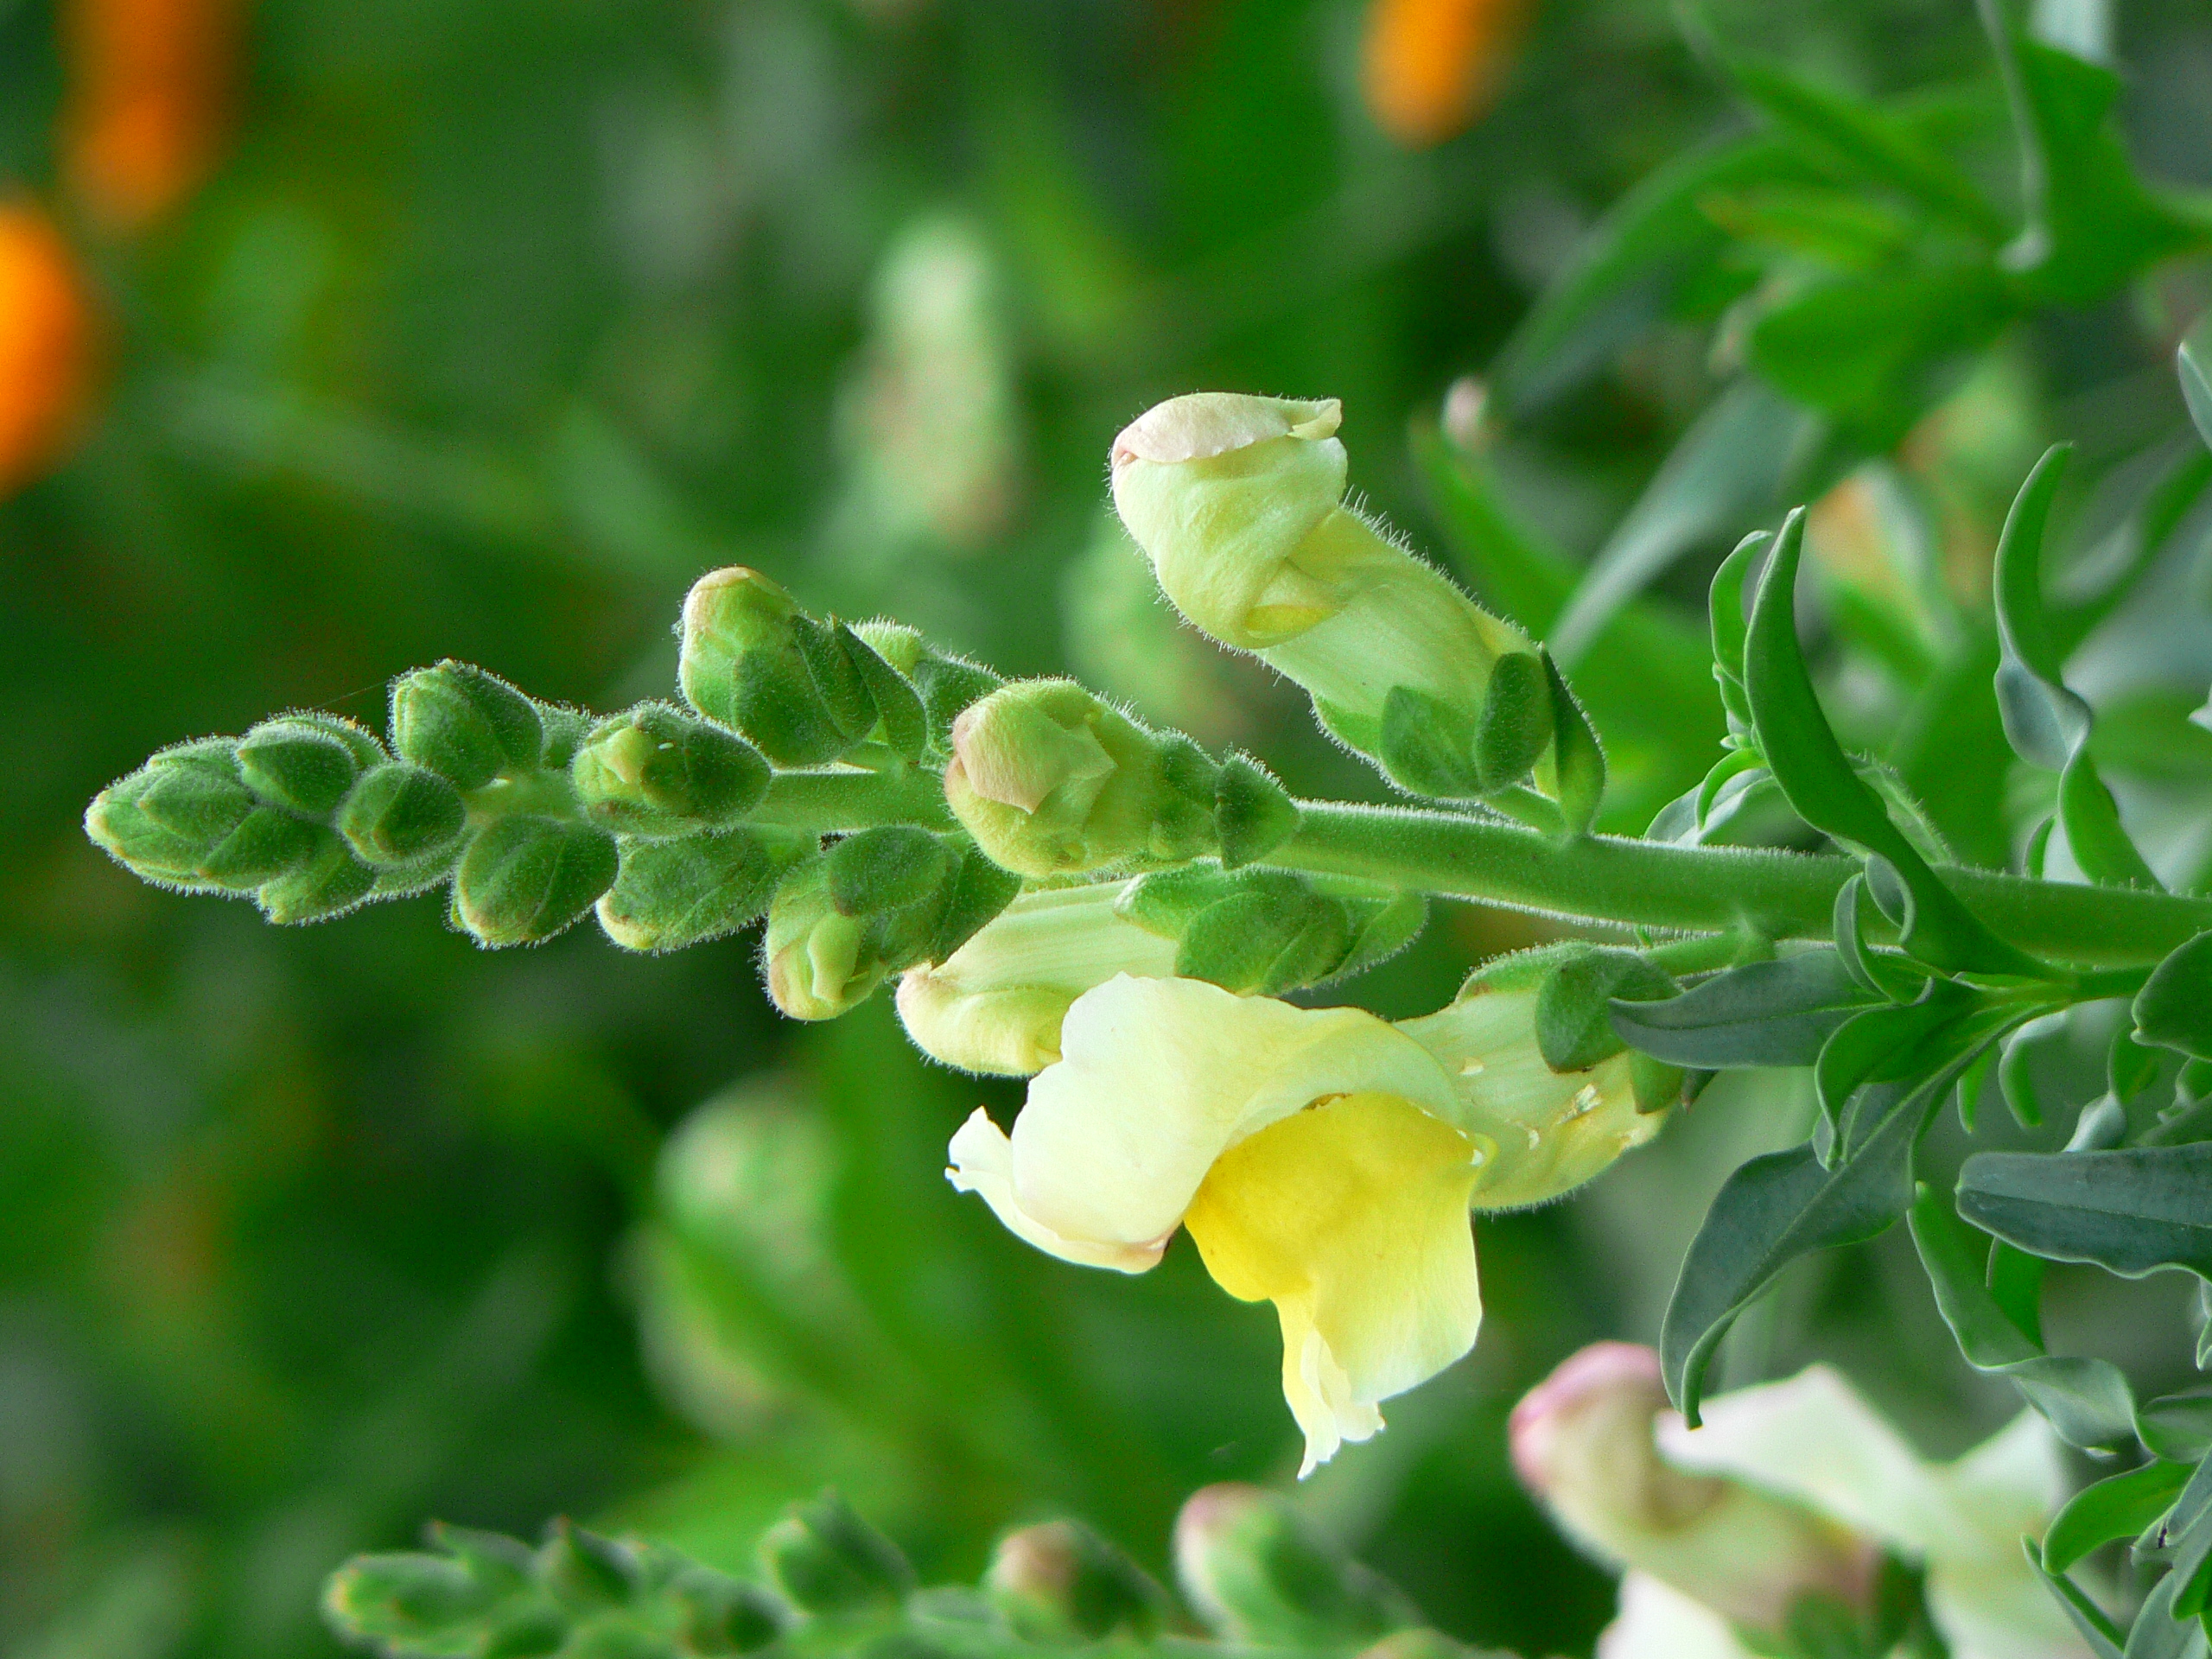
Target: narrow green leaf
pixel 2097 1629
pixel 2165 1624
pixel 2044 721
pixel 1763 1014
pixel 2174 1008
pixel 2178 1426
pixel 1887 1042
pixel 2117 1507
pixel 2094 833
pixel 2086 1401
pixel 2131 1212
pixel 1777 1208
pixel 1724 605
pixel 1827 790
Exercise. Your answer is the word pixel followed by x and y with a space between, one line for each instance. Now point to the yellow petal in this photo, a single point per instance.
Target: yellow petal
pixel 1159 1076
pixel 1352 1219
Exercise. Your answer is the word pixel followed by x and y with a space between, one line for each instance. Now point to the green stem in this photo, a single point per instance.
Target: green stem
pixel 1710 889
pixel 827 801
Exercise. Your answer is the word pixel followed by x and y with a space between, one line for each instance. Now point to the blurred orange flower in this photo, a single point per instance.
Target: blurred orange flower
pixel 46 343
pixel 1434 66
pixel 150 89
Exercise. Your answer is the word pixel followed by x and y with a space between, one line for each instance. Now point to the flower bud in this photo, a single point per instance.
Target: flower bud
pixel 994 1004
pixel 1583 1443
pixel 1237 501
pixel 327 880
pixel 753 660
pixel 1254 1572
pixel 818 966
pixel 827 1560
pixel 187 818
pixel 658 771
pixel 1553 1130
pixel 401 815
pixel 465 724
pixel 669 894
pixel 1060 1582
pixel 1052 781
pixel 524 879
pixel 302 768
pixel 586 1573
pixel 717 1614
pixel 1266 932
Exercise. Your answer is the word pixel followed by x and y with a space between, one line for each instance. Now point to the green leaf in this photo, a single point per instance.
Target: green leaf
pixel 1645 250
pixel 2087 1401
pixel 2165 1625
pixel 1779 1207
pixel 1828 792
pixel 1858 141
pixel 2097 1629
pixel 1764 1013
pixel 1735 463
pixel 2174 1008
pixel 2178 1426
pixel 1879 973
pixel 2131 1212
pixel 2117 1507
pixel 1888 1043
pixel 1868 348
pixel 2193 362
pixel 2091 222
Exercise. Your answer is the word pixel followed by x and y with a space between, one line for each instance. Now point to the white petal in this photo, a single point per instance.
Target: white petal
pixel 982 1162
pixel 1655 1622
pixel 1160 1077
pixel 1812 1439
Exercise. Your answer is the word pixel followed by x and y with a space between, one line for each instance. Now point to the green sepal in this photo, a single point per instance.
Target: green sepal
pixel 1267 937
pixel 523 879
pixel 948 686
pixel 565 730
pixel 976 892
pixel 268 843
pixel 1515 726
pixel 827 1560
pixel 584 1572
pixel 1252 814
pixel 1656 1085
pixel 897 704
pixel 300 768
pixel 327 882
pixel 669 894
pixel 1426 746
pixel 1574 1012
pixel 716 1614
pixel 657 770
pixel 402 816
pixel 893 867
pixel 1577 761
pixel 465 724
pixel 363 745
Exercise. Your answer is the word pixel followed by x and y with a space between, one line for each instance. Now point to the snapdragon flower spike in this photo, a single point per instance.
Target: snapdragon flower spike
pixel 1323 1159
pixel 1790 1500
pixel 1237 501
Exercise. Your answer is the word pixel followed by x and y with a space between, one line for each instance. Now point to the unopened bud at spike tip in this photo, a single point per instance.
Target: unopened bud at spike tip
pixel 296 766
pixel 754 661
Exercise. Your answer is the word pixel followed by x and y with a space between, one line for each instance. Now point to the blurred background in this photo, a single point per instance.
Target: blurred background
pixel 337 336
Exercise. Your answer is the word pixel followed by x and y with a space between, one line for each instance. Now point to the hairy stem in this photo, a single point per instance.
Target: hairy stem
pixel 827 801
pixel 1709 889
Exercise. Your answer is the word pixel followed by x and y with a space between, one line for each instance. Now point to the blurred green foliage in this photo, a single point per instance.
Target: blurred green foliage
pixel 498 324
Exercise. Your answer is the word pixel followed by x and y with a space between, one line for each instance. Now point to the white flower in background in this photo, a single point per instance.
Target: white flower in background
pixel 1323 1159
pixel 1790 1489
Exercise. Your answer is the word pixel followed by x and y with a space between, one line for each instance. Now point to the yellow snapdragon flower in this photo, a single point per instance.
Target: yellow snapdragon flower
pixel 1323 1159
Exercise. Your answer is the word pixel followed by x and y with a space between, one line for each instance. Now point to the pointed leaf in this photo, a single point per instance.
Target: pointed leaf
pixel 1763 1014
pixel 2174 1008
pixel 2131 1212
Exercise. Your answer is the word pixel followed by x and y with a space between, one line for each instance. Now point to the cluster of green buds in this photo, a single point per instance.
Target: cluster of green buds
pixel 1254 1572
pixel 1238 503
pixel 657 819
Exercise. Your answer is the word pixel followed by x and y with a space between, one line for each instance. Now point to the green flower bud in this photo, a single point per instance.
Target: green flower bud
pixel 1254 1572
pixel 402 816
pixel 658 771
pixel 297 766
pixel 466 724
pixel 753 660
pixel 673 893
pixel 826 1560
pixel 946 684
pixel 585 1572
pixel 817 959
pixel 892 869
pixel 523 879
pixel 1052 781
pixel 1238 503
pixel 401 1600
pixel 717 1614
pixel 1060 1582
pixel 996 1004
pixel 327 880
